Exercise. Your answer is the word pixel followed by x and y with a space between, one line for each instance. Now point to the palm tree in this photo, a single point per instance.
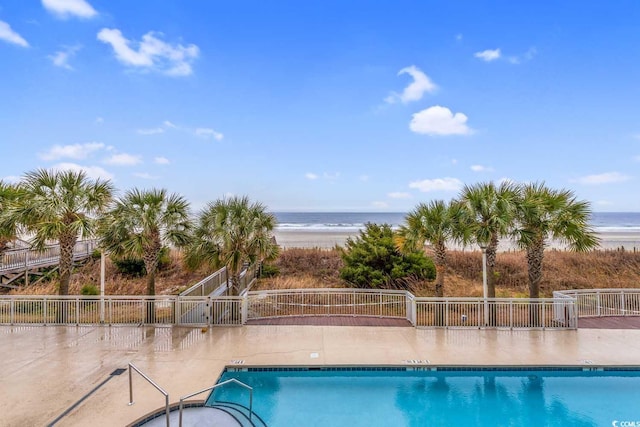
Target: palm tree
pixel 8 229
pixel 140 224
pixel 489 215
pixel 437 223
pixel 230 233
pixel 60 206
pixel 544 213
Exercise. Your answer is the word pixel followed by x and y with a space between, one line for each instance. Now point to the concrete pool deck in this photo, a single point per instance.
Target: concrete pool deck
pixel 44 370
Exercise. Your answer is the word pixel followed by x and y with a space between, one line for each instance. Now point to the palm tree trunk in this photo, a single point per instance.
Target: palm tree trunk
pixel 492 251
pixel 441 264
pixel 151 265
pixel 65 265
pixel 535 255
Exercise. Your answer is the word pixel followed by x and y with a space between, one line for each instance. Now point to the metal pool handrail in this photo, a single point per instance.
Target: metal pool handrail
pixel 150 381
pixel 232 380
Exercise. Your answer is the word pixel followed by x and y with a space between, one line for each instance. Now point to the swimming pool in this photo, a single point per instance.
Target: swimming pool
pixel 400 396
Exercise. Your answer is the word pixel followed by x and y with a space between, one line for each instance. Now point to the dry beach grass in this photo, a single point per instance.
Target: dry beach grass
pixel 319 268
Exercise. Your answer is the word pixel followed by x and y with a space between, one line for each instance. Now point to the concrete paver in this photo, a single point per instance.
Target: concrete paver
pixel 45 370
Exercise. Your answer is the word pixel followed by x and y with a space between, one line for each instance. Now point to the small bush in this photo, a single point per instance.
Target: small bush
pixel 135 266
pixel 89 289
pixel 96 254
pixel 269 270
pixel 372 260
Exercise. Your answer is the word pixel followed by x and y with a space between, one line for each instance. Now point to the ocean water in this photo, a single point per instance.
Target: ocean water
pixel 603 222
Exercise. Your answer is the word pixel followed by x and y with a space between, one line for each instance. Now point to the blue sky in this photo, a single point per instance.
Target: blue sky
pixel 325 105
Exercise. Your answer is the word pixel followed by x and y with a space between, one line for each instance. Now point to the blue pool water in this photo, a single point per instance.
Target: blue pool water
pixel 401 397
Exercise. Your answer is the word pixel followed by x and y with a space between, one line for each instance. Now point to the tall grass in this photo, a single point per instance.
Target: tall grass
pixel 319 268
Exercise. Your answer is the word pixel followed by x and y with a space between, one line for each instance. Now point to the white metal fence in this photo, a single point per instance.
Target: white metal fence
pixel 326 302
pixel 604 302
pixel 218 280
pixel 512 313
pixel 24 259
pixel 120 310
pixel 558 313
pixel 207 285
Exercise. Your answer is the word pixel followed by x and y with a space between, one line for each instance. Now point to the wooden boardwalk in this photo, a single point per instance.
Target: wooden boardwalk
pixel 331 321
pixel 609 322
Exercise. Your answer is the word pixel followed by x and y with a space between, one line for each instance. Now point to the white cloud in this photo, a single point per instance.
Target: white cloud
pixel 527 56
pixel 61 58
pixel 10 36
pixel 604 203
pixel 459 37
pixel 73 151
pixel 310 175
pixel 168 124
pixel 480 168
pixel 454 161
pixel 99 120
pixel 152 131
pixel 603 178
pixel 161 160
pixel 439 120
pixel 399 195
pixel 437 184
pixel 145 175
pixel 152 53
pixel 488 55
pixel 67 8
pixel 12 179
pixel 208 133
pixel 95 172
pixel 364 178
pixel 416 89
pixel 380 204
pixel 123 159
pixel 331 176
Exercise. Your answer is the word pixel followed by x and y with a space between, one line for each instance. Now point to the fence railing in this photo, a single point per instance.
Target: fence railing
pixel 559 313
pixel 211 283
pixel 207 285
pixel 24 259
pixel 604 302
pixel 326 302
pixel 120 310
pixel 512 313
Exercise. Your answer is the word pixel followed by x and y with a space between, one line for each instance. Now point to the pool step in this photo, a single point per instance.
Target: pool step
pixel 191 417
pixel 240 413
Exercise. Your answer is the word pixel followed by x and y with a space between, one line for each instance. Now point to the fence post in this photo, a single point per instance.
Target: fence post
pixel 544 312
pixel 12 310
pixel 598 303
pixel 446 314
pixel 245 307
pixel 177 310
pixel 510 314
pixel 77 311
pixel 622 304
pixel 44 310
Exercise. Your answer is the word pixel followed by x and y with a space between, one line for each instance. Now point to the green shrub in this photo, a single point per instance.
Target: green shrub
pixel 96 254
pixel 89 289
pixel 372 260
pixel 269 270
pixel 135 266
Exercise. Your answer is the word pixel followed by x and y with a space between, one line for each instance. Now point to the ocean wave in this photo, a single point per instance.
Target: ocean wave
pixel 617 229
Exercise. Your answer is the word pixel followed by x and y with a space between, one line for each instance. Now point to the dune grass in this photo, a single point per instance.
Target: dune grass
pixel 319 268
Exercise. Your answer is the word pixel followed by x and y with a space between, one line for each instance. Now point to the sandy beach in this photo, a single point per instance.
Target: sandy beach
pixel 324 239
